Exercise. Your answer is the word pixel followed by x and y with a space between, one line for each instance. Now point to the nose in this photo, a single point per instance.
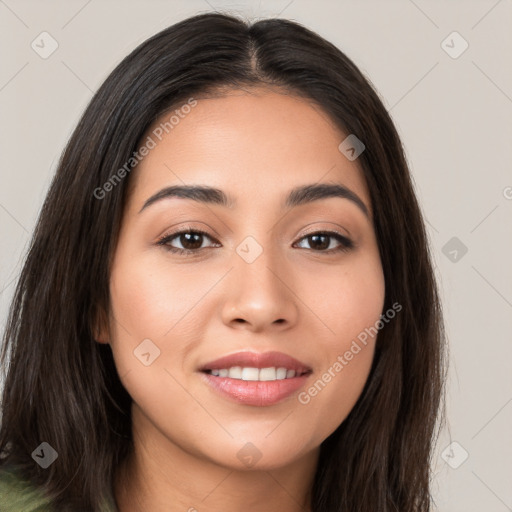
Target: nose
pixel 259 294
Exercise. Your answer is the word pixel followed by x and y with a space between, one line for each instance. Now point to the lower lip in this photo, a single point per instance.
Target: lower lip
pixel 259 393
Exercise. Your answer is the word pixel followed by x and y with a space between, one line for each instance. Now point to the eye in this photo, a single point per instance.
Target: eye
pixel 191 241
pixel 320 240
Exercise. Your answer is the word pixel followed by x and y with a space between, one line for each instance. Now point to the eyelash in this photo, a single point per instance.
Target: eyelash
pixel 345 243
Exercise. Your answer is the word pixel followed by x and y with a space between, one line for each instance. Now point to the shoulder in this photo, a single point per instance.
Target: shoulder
pixel 19 495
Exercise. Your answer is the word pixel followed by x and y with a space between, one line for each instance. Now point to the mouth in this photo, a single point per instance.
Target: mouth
pixel 256 374
pixel 256 379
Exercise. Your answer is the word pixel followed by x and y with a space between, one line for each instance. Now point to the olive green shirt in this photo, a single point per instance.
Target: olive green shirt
pixel 18 495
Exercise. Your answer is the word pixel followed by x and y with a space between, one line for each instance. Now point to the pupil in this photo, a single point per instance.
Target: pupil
pixel 188 236
pixel 321 245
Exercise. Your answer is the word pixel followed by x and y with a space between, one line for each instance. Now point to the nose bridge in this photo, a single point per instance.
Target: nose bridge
pixel 256 264
pixel 258 293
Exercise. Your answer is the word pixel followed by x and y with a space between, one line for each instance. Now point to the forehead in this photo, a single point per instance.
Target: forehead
pixel 253 142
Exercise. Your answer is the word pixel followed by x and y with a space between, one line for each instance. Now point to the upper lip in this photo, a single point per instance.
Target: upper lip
pixel 257 360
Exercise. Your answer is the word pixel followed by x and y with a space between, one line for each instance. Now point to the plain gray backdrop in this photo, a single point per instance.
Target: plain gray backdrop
pixel 442 69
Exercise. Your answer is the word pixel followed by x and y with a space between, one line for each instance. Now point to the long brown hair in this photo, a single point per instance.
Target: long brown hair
pixel 62 386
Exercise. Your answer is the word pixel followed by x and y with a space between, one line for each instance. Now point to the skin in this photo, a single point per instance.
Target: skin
pixel 295 298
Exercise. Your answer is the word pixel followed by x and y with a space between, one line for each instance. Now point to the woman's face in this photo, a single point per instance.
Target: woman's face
pixel 258 281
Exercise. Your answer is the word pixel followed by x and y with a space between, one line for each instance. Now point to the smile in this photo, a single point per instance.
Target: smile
pixel 251 378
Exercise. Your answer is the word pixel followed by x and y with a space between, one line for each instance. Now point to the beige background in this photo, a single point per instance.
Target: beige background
pixel 453 114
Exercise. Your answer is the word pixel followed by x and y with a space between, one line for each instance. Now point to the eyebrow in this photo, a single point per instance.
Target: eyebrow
pixel 296 197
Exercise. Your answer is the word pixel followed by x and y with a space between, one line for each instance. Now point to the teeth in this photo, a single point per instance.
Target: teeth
pixel 281 373
pixel 250 374
pixel 254 374
pixel 268 374
pixel 235 372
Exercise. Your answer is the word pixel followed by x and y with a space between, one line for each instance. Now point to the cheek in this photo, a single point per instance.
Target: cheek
pixel 349 305
pixel 150 299
pixel 153 313
pixel 151 302
pixel 331 395
pixel 348 299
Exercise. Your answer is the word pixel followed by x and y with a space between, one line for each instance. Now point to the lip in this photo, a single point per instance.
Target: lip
pixel 256 393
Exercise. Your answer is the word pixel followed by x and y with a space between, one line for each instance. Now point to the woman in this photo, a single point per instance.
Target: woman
pixel 228 302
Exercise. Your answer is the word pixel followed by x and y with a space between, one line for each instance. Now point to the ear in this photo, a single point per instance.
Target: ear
pixel 100 329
